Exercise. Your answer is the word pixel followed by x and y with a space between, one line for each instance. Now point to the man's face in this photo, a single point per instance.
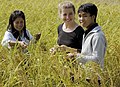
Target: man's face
pixel 85 19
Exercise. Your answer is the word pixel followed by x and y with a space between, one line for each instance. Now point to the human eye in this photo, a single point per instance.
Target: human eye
pixel 16 22
pixel 21 22
pixel 70 13
pixel 64 14
pixel 85 16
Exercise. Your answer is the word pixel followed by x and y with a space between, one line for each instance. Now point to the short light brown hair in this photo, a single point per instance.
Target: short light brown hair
pixel 64 5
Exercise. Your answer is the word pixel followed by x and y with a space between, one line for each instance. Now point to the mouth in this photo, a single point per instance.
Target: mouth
pixel 68 20
pixel 19 28
pixel 82 23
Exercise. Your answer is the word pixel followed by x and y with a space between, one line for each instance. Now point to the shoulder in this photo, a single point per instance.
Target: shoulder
pixel 99 36
pixel 27 31
pixel 60 26
pixel 98 31
pixel 79 28
pixel 8 33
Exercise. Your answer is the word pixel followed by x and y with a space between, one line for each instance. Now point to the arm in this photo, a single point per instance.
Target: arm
pixel 79 38
pixel 6 39
pixel 9 41
pixel 62 48
pixel 19 43
pixel 68 49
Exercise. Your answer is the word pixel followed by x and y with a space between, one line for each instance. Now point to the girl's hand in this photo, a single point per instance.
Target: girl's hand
pixel 23 44
pixel 37 36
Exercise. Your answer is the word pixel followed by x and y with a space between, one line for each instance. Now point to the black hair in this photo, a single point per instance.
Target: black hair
pixel 10 27
pixel 89 8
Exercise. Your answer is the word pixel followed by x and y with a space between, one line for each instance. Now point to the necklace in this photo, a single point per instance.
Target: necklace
pixel 69 29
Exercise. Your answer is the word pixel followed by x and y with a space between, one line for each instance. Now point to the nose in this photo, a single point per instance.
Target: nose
pixel 20 24
pixel 68 16
pixel 81 19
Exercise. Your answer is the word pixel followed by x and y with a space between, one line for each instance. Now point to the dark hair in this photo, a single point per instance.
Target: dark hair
pixel 89 8
pixel 10 27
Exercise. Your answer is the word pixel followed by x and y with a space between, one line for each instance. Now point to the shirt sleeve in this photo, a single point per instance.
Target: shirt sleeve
pixel 29 35
pixel 6 39
pixel 79 38
pixel 32 39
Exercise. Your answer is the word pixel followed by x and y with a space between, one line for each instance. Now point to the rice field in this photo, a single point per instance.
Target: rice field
pixel 40 68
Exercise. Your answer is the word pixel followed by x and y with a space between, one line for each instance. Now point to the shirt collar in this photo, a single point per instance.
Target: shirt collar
pixel 90 28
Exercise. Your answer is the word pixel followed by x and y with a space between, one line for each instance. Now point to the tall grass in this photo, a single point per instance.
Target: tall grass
pixel 40 68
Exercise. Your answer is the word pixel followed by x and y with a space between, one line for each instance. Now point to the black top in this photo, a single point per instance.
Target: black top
pixel 90 28
pixel 70 39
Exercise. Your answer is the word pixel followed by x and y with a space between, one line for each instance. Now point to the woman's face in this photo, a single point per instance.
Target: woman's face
pixel 67 15
pixel 18 23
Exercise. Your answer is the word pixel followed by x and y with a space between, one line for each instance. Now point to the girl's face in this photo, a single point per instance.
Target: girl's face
pixel 85 19
pixel 18 23
pixel 67 15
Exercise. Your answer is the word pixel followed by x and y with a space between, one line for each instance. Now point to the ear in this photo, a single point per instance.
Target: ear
pixel 93 18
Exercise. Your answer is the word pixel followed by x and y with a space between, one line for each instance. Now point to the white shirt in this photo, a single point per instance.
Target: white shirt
pixel 8 36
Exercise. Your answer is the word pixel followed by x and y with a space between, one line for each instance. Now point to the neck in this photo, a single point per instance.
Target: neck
pixel 20 32
pixel 90 25
pixel 70 26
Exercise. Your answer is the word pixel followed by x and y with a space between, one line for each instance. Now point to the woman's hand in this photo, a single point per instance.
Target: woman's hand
pixel 62 48
pixel 54 49
pixel 23 44
pixel 67 49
